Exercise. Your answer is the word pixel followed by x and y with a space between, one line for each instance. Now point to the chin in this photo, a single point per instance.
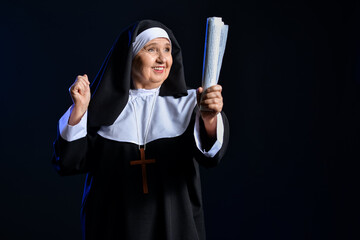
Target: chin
pixel 158 80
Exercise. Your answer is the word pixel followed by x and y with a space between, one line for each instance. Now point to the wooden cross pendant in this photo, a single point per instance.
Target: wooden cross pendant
pixel 143 163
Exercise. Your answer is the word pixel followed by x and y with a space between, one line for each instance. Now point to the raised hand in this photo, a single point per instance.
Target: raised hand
pixel 212 103
pixel 80 95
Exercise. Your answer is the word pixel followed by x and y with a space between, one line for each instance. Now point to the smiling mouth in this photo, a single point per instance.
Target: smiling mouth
pixel 159 69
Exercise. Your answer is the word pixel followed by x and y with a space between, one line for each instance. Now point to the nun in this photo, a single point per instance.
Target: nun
pixel 137 133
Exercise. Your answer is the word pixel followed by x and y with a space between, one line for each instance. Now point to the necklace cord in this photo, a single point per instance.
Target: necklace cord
pixel 149 121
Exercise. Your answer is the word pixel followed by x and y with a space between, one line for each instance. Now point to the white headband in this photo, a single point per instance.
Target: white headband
pixel 146 36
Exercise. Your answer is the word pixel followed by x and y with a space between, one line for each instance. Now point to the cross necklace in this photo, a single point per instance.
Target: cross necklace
pixel 143 161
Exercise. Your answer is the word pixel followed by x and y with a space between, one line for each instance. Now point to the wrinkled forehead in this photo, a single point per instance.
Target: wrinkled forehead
pixel 146 36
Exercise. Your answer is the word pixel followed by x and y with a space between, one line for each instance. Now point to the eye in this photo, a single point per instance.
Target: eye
pixel 167 50
pixel 151 49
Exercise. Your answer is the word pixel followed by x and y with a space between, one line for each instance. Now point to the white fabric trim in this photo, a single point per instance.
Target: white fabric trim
pixel 219 134
pixel 72 133
pixel 171 117
pixel 146 36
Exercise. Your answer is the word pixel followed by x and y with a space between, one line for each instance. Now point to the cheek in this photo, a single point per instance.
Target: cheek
pixel 136 65
pixel 170 61
pixel 137 70
pixel 142 61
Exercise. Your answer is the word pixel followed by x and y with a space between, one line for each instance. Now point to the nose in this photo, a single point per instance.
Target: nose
pixel 161 58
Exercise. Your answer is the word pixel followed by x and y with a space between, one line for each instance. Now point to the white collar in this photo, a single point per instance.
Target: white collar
pixel 143 92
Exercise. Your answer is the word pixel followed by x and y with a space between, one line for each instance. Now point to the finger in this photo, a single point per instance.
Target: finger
pixel 82 88
pixel 198 94
pixel 81 84
pixel 78 77
pixel 83 78
pixel 215 107
pixel 212 95
pixel 211 101
pixel 208 102
pixel 87 79
pixel 74 86
pixel 84 83
pixel 215 88
pixel 199 91
pixel 77 89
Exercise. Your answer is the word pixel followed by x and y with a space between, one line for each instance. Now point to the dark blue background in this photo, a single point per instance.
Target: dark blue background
pixel 291 78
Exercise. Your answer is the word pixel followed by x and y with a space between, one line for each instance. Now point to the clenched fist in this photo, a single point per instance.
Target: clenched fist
pixel 80 95
pixel 212 102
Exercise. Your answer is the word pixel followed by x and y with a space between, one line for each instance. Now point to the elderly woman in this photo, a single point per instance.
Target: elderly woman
pixel 140 137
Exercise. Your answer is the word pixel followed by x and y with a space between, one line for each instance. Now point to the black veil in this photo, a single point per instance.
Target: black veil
pixel 110 88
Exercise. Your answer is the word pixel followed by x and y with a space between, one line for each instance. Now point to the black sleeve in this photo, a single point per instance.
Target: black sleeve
pixel 207 144
pixel 73 157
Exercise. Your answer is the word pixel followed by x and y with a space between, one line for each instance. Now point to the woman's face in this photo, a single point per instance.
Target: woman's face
pixel 151 66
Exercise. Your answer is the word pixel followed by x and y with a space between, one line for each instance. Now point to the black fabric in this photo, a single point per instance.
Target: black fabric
pixel 110 88
pixel 114 205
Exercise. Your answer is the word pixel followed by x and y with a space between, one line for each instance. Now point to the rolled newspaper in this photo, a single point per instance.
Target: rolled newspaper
pixel 215 42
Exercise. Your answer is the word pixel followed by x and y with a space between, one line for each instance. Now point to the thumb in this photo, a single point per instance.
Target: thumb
pixel 198 94
pixel 86 78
